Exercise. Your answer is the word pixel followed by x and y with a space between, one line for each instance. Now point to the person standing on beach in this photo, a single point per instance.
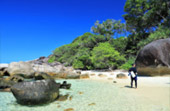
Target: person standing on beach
pixel 133 74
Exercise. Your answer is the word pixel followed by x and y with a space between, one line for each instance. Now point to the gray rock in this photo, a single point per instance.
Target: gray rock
pixel 47 68
pixel 4 72
pixel 6 83
pixel 41 76
pixel 154 58
pixel 16 78
pixel 36 92
pixel 22 68
pixel 121 76
pixel 72 76
pixel 64 85
pixel 84 76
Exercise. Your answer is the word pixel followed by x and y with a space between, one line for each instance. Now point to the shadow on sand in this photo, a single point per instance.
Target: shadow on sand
pixel 127 86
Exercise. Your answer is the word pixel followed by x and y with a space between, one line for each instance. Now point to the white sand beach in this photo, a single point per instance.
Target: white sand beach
pixel 153 90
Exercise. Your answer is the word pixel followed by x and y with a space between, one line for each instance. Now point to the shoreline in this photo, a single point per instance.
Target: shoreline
pixel 154 89
pixel 153 93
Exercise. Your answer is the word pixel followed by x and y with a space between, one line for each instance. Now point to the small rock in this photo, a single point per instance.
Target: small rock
pixel 41 76
pixel 63 97
pixel 114 82
pixel 102 75
pixel 84 76
pixel 78 71
pixel 70 98
pixel 92 74
pixel 91 104
pixel 110 78
pixel 69 109
pixel 5 90
pixel 65 85
pixel 72 76
pixel 121 76
pixel 16 78
pixel 80 93
pixel 6 83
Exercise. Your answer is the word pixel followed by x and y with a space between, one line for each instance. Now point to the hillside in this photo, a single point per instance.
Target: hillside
pixel 114 44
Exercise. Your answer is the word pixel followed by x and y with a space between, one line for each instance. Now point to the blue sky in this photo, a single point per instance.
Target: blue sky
pixel 33 28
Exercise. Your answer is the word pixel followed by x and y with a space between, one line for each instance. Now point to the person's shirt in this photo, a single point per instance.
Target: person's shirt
pixel 133 69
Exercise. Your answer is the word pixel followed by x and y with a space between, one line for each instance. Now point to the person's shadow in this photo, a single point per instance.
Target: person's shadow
pixel 127 86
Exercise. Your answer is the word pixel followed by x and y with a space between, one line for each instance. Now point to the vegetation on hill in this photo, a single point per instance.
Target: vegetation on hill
pixel 113 44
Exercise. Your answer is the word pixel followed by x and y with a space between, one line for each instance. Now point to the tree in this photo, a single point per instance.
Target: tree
pixel 104 56
pixel 160 33
pixel 108 28
pixel 143 16
pixel 119 44
pixel 82 59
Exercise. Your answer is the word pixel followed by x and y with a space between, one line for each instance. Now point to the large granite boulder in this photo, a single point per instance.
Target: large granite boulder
pixel 154 58
pixel 36 92
pixel 21 68
pixel 47 68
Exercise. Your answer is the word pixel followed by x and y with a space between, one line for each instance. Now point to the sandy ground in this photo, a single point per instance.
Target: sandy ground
pixel 154 90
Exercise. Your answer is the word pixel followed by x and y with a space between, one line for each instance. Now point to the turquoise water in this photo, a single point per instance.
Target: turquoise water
pixel 87 95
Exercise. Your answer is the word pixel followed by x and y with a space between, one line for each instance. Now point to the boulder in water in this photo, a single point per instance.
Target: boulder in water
pixel 36 92
pixel 65 85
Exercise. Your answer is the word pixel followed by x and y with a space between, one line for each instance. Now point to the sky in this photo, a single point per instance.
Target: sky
pixel 33 28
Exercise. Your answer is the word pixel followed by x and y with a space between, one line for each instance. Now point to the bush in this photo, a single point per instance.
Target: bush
pixel 51 59
pixel 104 56
pixel 161 33
pixel 77 64
pixel 119 44
pixel 128 63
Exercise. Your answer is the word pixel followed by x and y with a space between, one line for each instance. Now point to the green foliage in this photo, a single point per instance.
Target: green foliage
pixel 105 56
pixel 79 51
pixel 51 59
pixel 108 28
pixel 83 56
pixel 146 21
pixel 119 44
pixel 161 33
pixel 142 16
pixel 78 64
pixel 128 63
